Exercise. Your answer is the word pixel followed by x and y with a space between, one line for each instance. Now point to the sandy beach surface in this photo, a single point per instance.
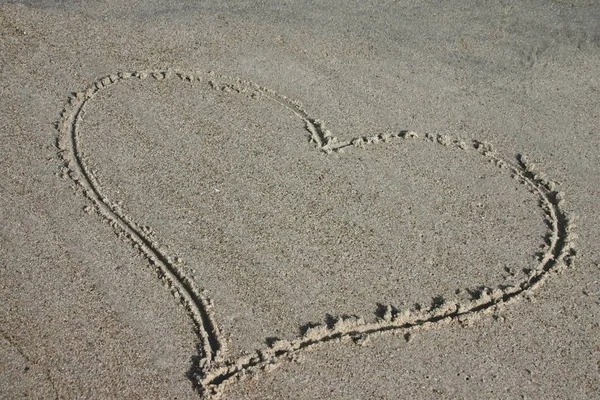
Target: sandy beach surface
pixel 307 200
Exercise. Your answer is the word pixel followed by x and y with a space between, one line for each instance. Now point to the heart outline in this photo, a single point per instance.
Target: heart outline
pixel 210 368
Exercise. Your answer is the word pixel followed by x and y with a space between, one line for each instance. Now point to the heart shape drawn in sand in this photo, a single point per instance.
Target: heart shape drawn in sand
pixel 213 366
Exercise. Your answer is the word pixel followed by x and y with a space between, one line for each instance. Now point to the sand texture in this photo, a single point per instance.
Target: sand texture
pixel 242 201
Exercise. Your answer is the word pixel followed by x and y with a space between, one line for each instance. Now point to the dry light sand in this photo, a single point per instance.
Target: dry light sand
pixel 351 200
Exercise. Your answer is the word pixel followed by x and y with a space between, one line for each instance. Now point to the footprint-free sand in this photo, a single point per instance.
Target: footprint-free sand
pixel 308 201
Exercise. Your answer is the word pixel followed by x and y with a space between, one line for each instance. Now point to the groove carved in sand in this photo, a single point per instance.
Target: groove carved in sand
pixel 211 369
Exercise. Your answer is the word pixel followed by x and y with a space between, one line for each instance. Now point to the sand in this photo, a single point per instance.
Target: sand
pixel 311 201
